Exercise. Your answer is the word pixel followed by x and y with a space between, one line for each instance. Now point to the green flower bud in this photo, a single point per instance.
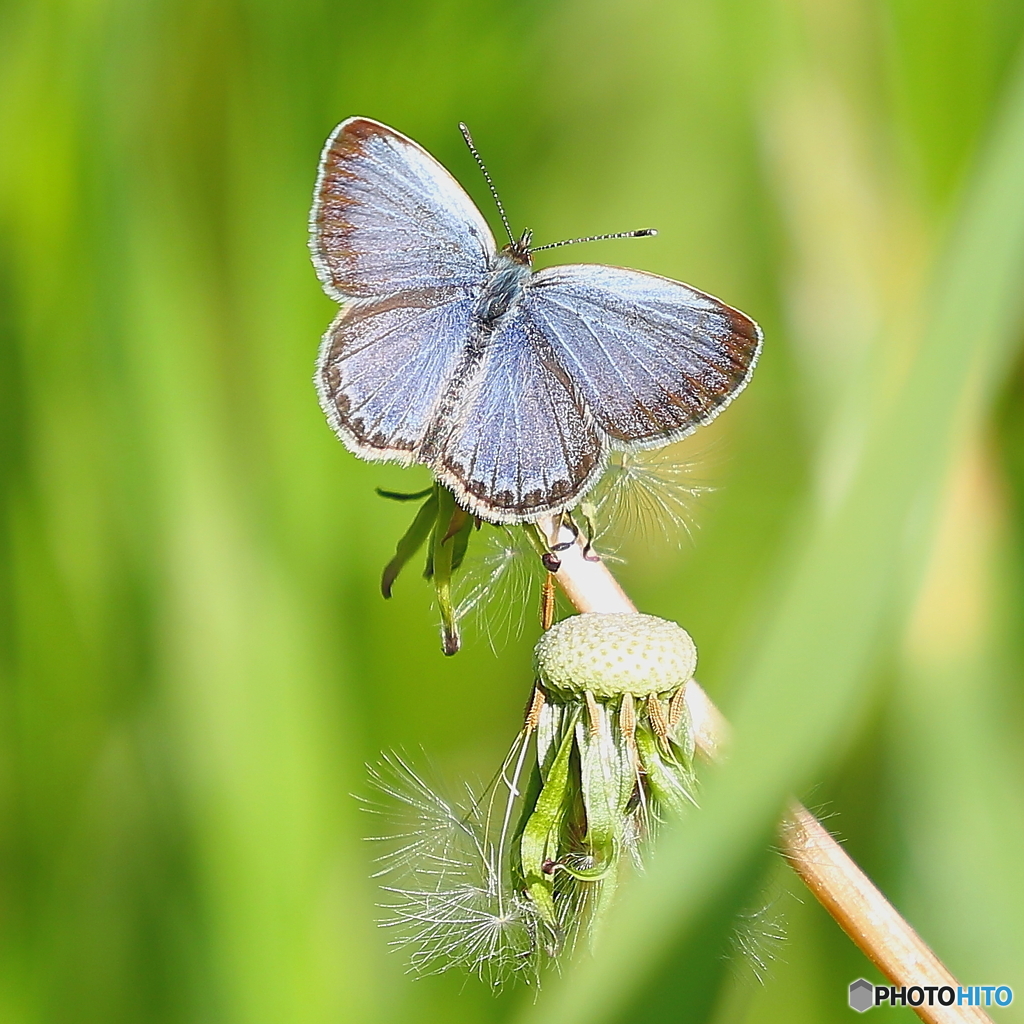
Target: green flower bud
pixel 612 653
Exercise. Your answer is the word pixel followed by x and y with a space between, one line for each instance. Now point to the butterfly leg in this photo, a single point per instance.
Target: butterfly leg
pixel 565 519
pixel 542 542
pixel 586 512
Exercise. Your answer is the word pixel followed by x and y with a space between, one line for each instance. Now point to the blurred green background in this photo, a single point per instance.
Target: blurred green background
pixel 195 660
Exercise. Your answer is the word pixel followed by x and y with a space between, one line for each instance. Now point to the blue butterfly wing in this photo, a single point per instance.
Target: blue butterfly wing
pixel 653 358
pixel 398 242
pixel 388 218
pixel 516 419
pixel 519 442
pixel 384 367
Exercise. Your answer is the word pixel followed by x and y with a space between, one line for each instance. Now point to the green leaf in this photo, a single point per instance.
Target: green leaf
pixel 412 540
pixel 405 496
pixel 461 530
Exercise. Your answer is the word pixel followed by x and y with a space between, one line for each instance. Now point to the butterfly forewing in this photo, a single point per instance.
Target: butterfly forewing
pixel 653 358
pixel 520 442
pixel 388 218
pixel 397 240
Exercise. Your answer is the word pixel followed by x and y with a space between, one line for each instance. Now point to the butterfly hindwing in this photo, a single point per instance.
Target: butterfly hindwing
pixel 385 365
pixel 519 443
pixel 388 218
pixel 653 358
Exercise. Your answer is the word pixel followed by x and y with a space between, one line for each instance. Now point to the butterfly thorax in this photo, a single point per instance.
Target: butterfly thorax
pixel 502 288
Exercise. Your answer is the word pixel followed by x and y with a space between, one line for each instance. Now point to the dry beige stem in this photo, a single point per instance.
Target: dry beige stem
pixel 836 882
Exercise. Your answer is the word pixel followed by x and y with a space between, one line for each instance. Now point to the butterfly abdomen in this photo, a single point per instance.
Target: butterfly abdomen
pixel 497 300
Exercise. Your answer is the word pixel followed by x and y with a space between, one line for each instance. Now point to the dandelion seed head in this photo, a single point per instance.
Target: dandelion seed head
pixel 611 653
pixel 501 884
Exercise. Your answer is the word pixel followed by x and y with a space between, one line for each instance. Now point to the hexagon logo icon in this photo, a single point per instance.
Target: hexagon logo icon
pixel 862 995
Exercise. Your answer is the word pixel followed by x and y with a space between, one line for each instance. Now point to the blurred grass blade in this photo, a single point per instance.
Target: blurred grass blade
pixel 958 758
pixel 848 591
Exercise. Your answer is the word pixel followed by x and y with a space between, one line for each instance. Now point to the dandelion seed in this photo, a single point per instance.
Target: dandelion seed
pixel 498 583
pixel 450 904
pixel 647 493
pixel 757 939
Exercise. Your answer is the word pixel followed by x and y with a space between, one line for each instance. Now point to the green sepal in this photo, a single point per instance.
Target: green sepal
pixel 543 830
pixel 533 789
pixel 412 540
pixel 607 780
pixel 598 873
pixel 683 741
pixel 549 734
pixel 440 565
pixel 602 767
pixel 462 525
pixel 670 780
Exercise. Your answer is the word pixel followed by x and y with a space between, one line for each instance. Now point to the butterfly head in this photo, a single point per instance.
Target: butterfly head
pixel 520 250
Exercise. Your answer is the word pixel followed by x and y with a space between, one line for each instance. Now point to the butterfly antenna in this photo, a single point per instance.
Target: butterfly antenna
pixel 642 233
pixel 487 178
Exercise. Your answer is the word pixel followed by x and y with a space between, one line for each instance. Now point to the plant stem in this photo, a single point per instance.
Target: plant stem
pixel 833 878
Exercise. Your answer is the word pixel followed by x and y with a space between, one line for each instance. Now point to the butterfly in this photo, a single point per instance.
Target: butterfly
pixel 512 386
